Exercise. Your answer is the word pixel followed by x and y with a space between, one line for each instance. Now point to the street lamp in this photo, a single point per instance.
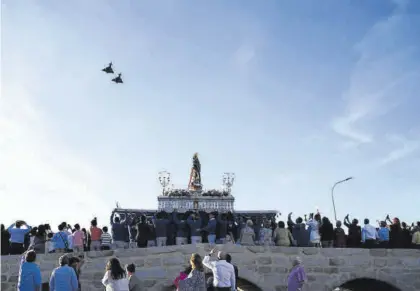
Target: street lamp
pixel 228 179
pixel 164 180
pixel 332 193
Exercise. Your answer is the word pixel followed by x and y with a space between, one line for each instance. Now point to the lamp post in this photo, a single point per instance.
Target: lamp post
pixel 332 193
pixel 164 180
pixel 228 179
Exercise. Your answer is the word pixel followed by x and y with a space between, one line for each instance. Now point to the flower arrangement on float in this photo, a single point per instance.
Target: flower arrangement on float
pixel 215 193
pixel 205 193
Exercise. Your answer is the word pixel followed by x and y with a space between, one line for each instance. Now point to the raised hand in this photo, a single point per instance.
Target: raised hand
pixel 290 214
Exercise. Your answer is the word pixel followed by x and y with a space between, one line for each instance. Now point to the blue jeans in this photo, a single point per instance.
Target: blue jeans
pixel 211 238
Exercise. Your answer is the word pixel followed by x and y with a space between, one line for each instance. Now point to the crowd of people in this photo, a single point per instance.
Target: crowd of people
pixel 118 278
pixel 191 228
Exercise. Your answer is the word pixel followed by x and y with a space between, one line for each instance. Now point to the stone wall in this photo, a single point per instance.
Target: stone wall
pixel 266 267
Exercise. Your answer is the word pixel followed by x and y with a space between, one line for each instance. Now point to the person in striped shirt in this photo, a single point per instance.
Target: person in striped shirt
pixel 106 239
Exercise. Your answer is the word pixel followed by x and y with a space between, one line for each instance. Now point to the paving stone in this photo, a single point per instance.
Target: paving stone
pixel 264 270
pixel 338 261
pixel 151 273
pixel 380 263
pixel 264 260
pixel 153 262
pixel 310 251
pixel 378 252
pixel 173 261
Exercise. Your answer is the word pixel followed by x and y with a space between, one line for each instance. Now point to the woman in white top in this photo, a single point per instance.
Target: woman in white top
pixel 115 278
pixel 314 224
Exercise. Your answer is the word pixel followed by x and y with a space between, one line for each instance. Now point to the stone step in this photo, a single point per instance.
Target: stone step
pixel 247 288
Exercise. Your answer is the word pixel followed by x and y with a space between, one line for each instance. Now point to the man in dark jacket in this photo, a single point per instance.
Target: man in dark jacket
pixel 5 241
pixel 354 237
pixel 223 225
pixel 143 232
pixel 229 260
pixel 120 234
pixel 299 232
pixel 181 229
pixel 210 229
pixel 161 224
pixel 194 223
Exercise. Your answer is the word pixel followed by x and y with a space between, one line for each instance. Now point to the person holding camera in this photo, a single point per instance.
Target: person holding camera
pixel 95 235
pixel 17 236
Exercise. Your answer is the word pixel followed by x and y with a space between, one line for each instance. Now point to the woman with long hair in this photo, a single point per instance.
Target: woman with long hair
pixel 196 280
pixel 115 278
pixel 326 231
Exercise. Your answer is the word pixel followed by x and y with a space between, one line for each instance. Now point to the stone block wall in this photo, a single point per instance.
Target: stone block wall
pixel 266 267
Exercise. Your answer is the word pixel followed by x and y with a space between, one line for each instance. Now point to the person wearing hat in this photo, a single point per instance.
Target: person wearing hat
pixel 223 272
pixel 64 277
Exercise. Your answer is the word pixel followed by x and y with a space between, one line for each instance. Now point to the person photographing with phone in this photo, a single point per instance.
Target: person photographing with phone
pixel 223 273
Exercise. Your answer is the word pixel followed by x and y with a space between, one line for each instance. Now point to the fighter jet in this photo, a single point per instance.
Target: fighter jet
pixel 108 69
pixel 117 79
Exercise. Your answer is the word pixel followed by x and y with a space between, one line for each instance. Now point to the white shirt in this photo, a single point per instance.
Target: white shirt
pixel 369 232
pixel 114 285
pixel 49 246
pixel 70 241
pixel 223 272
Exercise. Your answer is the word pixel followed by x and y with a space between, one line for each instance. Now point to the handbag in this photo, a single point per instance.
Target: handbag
pixel 66 244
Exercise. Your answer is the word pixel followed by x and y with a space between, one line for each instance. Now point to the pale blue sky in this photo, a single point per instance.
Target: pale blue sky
pixel 290 95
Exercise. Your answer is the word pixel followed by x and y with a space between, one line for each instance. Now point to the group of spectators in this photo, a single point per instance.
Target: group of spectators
pixel 66 277
pixel 20 237
pixel 216 228
pixel 319 231
pixel 313 230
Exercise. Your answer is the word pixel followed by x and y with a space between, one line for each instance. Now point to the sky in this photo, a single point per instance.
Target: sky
pixel 291 96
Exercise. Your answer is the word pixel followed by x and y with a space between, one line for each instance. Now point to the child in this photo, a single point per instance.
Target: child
pixel 49 245
pixel 106 239
pixel 182 275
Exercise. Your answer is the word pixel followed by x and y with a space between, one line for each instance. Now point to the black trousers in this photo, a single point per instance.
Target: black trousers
pixel 222 288
pixel 16 248
pixel 383 244
pixel 369 244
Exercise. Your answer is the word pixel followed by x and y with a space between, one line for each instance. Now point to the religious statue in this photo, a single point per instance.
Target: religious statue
pixel 195 176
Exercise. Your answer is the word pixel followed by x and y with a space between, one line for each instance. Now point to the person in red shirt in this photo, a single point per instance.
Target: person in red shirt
pixel 95 235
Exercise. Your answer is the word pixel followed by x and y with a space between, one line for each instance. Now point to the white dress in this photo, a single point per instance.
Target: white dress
pixel 314 235
pixel 114 285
